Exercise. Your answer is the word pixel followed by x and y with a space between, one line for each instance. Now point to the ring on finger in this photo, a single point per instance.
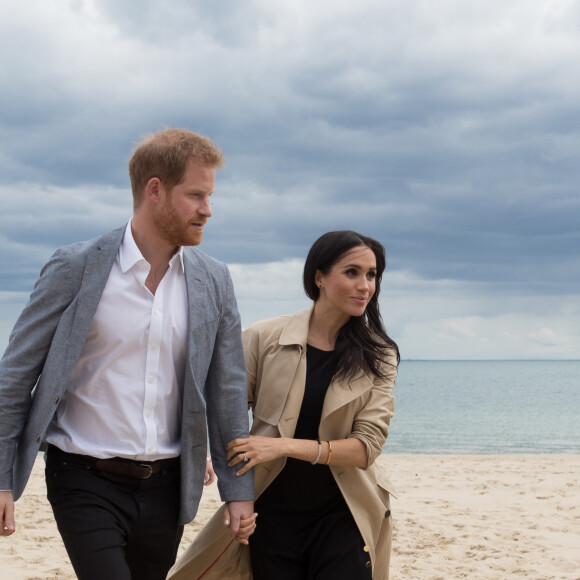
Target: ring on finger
pixel 246 458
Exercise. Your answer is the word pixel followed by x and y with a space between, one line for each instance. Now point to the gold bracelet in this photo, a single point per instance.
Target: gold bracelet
pixel 329 453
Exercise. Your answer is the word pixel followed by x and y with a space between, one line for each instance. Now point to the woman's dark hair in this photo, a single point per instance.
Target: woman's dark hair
pixel 361 343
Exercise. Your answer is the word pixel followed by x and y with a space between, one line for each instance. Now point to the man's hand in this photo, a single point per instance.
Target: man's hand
pixel 240 517
pixel 209 473
pixel 7 525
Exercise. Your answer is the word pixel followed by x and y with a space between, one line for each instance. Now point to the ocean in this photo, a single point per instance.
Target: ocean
pixel 472 407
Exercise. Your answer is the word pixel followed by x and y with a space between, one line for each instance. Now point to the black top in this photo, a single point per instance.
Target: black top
pixel 301 486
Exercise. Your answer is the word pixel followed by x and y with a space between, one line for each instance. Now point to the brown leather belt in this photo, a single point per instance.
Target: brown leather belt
pixel 117 465
pixel 140 470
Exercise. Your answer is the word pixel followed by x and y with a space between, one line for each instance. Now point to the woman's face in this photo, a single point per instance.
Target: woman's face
pixel 350 284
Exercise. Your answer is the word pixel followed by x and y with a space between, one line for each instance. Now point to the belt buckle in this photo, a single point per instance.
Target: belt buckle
pixel 148 474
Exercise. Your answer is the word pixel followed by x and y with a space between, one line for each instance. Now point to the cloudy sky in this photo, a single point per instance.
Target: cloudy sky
pixel 447 129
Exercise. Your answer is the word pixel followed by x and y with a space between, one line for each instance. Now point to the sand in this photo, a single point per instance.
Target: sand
pixel 492 517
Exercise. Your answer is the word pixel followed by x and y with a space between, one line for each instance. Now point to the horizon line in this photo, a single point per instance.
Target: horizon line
pixel 490 360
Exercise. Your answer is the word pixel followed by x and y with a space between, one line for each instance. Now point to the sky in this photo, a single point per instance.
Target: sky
pixel 449 130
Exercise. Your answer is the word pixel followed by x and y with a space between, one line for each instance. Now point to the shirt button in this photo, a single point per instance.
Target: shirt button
pixel 150 380
pixel 366 549
pixel 153 346
pixel 148 414
pixel 150 448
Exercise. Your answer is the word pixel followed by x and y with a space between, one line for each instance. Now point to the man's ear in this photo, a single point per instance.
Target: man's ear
pixel 153 189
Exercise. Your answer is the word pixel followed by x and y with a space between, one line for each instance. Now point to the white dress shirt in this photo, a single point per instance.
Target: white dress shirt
pixel 124 397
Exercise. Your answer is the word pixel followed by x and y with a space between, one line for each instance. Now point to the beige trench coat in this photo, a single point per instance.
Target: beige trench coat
pixel 275 351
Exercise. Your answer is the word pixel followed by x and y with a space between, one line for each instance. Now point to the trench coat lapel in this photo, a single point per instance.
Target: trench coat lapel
pixel 293 399
pixel 285 380
pixel 288 400
pixel 341 393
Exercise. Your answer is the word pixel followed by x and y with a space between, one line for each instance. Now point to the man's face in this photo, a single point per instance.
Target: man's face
pixel 184 210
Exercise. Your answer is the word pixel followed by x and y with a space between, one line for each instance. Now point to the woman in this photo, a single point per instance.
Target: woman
pixel 320 387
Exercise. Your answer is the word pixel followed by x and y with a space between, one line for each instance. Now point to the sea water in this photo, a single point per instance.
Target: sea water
pixel 486 407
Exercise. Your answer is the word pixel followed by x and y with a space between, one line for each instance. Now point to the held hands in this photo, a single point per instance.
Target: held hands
pixel 253 450
pixel 240 517
pixel 7 525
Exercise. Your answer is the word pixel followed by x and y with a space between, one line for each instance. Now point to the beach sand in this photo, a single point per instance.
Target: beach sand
pixel 492 517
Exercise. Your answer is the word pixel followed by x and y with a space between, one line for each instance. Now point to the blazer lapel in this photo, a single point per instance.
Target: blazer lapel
pixel 95 275
pixel 195 281
pixel 200 310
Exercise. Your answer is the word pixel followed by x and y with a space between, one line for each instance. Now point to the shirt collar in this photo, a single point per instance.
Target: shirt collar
pixel 130 254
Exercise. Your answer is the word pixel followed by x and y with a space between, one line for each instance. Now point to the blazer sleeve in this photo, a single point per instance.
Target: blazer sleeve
pixel 24 358
pixel 227 411
pixel 250 339
pixel 371 422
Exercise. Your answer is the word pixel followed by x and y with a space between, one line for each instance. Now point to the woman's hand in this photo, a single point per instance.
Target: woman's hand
pixel 255 449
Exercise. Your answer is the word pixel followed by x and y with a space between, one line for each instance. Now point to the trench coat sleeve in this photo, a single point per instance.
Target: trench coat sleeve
pixel 26 354
pixel 371 423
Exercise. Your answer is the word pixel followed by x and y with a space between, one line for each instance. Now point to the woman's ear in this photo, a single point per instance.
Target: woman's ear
pixel 318 278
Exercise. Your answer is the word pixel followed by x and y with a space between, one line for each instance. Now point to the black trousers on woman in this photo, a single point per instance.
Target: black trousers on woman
pixel 114 527
pixel 321 545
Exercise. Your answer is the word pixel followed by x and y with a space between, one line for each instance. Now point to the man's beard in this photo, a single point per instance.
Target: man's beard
pixel 174 230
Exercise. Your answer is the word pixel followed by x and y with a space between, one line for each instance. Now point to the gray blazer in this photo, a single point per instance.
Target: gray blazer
pixel 47 340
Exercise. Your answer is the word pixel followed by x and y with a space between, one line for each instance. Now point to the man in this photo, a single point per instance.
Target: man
pixel 126 357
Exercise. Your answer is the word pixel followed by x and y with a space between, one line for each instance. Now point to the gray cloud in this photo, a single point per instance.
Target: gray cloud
pixel 449 131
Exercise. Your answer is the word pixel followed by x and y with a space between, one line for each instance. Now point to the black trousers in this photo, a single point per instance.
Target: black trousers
pixel 114 527
pixel 320 545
